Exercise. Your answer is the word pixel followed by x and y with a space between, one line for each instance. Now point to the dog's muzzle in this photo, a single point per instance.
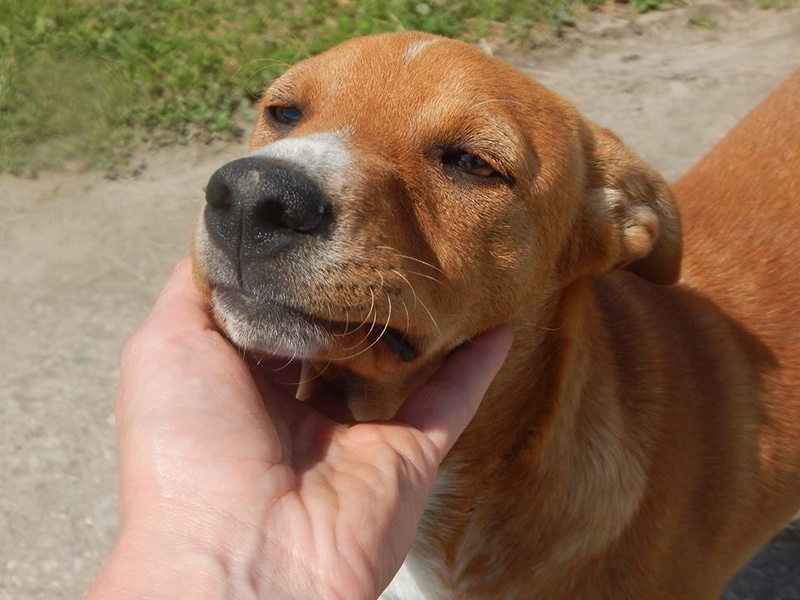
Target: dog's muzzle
pixel 272 225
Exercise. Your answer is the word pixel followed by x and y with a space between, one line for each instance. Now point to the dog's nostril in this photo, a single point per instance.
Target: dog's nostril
pixel 293 210
pixel 269 215
pixel 218 193
pixel 275 214
pixel 303 218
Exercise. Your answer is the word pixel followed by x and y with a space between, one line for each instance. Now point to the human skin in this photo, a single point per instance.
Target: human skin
pixel 231 488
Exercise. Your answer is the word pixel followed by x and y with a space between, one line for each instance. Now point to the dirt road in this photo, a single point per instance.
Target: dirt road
pixel 83 257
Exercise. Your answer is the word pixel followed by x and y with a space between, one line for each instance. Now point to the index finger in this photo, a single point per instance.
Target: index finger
pixel 180 307
pixel 443 407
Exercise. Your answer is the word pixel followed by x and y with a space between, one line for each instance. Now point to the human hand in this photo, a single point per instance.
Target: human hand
pixel 232 488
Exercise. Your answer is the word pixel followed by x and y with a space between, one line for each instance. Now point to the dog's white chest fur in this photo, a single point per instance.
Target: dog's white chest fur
pixel 417 578
pixel 414 581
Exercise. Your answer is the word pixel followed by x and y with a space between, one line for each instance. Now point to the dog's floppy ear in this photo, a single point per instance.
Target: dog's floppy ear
pixel 631 211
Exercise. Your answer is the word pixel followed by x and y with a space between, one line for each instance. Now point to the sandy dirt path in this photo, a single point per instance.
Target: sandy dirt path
pixel 83 257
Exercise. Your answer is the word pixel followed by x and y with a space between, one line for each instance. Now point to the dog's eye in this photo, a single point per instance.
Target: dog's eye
pixel 469 163
pixel 285 115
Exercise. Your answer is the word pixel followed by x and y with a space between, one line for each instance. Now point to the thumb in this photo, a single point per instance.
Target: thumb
pixel 444 406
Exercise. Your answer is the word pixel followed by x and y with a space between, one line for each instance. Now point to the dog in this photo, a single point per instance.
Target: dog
pixel 405 192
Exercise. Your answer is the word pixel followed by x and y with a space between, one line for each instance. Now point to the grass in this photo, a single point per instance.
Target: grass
pixel 704 21
pixel 84 80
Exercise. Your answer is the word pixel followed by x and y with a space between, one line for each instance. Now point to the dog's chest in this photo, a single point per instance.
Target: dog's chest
pixel 415 581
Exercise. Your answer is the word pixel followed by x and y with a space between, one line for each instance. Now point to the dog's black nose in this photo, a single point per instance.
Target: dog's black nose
pixel 255 207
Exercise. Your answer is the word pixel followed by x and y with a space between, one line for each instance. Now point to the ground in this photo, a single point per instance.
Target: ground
pixel 83 257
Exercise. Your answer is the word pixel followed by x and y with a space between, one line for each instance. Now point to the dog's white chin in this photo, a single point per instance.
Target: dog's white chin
pixel 274 344
pixel 265 327
pixel 282 335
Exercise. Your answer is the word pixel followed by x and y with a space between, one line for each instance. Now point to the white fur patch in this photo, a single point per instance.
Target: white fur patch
pixel 415 48
pixel 403 586
pixel 414 581
pixel 322 156
pixel 637 224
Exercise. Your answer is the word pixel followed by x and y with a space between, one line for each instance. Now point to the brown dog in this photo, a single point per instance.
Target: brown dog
pixel 406 192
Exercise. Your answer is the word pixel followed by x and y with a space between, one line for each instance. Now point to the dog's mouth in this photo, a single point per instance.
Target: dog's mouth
pixel 391 337
pixel 266 326
pixel 399 344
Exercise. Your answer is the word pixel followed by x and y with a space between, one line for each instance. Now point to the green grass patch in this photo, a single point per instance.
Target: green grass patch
pixel 81 80
pixel 646 5
pixel 703 21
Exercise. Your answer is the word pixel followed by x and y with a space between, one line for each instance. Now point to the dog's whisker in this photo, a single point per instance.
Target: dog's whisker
pixel 435 324
pixel 346 321
pixel 408 317
pixel 434 279
pixel 381 288
pixel 380 335
pixel 371 308
pixel 285 365
pixel 315 376
pixel 347 331
pixel 372 325
pixel 545 328
pixel 411 287
pixel 407 257
pixel 282 367
pixel 364 321
pixel 417 299
pixel 331 319
pixel 502 101
pixel 364 339
pixel 371 315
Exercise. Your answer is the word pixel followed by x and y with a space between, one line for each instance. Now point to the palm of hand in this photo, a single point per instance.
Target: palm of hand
pixel 220 453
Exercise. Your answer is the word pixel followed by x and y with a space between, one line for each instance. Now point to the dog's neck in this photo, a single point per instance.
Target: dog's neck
pixel 366 399
pixel 535 437
pixel 559 362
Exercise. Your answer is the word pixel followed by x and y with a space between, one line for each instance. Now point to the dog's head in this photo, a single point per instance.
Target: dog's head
pixel 405 192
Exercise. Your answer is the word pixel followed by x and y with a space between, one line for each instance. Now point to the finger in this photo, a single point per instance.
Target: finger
pixel 180 307
pixel 178 336
pixel 179 310
pixel 443 407
pixel 331 404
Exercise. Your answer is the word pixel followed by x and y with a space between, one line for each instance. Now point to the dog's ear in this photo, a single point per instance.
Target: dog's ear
pixel 631 212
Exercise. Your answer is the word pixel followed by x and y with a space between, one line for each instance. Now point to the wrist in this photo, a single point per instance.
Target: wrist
pixel 157 565
pixel 204 563
pixel 154 569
